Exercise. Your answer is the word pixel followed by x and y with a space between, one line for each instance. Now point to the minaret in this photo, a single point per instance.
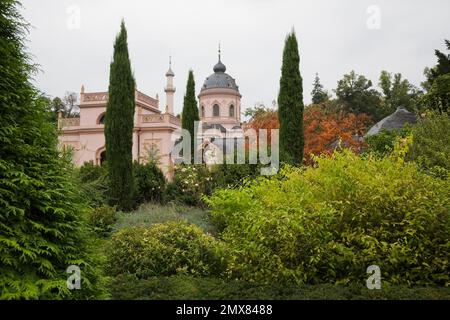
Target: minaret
pixel 169 89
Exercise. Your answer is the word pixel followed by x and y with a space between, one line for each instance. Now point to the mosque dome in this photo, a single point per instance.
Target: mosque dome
pixel 220 79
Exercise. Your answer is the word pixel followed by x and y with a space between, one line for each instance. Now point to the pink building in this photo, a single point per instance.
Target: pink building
pixel 154 131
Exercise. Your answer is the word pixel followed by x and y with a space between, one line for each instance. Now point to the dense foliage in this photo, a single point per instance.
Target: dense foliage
pixel 431 142
pixel 290 104
pixel 92 181
pixel 150 183
pixel 165 249
pixel 383 143
pixel 119 125
pixel 328 224
pixel 102 219
pixel 128 287
pixel 41 230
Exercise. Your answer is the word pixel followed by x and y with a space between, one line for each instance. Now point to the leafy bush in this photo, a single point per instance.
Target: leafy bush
pixel 41 229
pixel 189 184
pixel 150 182
pixel 329 223
pixel 192 182
pixel 165 249
pixel 383 143
pixel 233 175
pixel 102 219
pixel 128 287
pixel 93 183
pixel 431 142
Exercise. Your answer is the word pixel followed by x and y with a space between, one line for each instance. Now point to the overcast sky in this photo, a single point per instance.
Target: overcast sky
pixel 334 38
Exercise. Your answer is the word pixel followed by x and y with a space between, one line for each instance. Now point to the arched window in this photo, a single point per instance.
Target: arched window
pixel 216 112
pixel 101 119
pixel 231 111
pixel 203 111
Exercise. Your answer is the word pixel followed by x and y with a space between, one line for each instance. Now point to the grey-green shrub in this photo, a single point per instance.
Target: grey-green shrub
pixel 165 249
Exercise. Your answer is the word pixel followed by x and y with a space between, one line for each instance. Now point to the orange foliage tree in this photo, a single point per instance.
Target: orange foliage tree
pixel 324 130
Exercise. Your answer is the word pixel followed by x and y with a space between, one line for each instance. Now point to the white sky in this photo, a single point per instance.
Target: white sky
pixel 333 39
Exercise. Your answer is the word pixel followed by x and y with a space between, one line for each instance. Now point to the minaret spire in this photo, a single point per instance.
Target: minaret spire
pixel 220 51
pixel 169 89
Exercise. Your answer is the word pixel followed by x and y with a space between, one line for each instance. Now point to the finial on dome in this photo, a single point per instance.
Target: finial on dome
pixel 219 67
pixel 169 72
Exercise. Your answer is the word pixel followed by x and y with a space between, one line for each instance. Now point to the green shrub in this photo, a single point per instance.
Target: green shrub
pixel 383 143
pixel 233 175
pixel 41 229
pixel 189 184
pixel 192 183
pixel 128 287
pixel 327 224
pixel 102 219
pixel 165 249
pixel 431 142
pixel 150 183
pixel 93 183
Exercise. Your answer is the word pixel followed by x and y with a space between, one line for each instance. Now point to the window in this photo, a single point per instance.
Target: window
pixel 203 111
pixel 101 120
pixel 216 112
pixel 231 111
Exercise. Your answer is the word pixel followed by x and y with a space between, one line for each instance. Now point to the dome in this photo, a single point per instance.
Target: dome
pixel 220 79
pixel 220 67
pixel 395 121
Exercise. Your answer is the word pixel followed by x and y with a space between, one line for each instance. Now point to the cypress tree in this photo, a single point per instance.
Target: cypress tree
pixel 41 230
pixel 190 112
pixel 290 104
pixel 119 124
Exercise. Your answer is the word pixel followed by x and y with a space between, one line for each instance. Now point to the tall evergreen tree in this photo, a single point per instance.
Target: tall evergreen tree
pixel 41 231
pixel 318 94
pixel 290 104
pixel 119 124
pixel 190 112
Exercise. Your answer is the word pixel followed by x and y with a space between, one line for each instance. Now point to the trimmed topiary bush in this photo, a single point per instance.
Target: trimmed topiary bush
pixel 165 249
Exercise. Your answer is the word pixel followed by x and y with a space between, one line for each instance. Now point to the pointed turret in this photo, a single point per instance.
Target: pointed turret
pixel 169 89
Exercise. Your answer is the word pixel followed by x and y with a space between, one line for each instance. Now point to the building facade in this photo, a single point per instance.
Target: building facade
pixel 153 136
pixel 155 131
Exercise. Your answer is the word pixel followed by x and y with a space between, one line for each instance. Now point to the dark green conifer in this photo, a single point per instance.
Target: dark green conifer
pixel 190 112
pixel 290 104
pixel 119 124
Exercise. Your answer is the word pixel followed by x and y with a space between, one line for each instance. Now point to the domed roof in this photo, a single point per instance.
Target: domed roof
pixel 219 67
pixel 395 121
pixel 220 79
